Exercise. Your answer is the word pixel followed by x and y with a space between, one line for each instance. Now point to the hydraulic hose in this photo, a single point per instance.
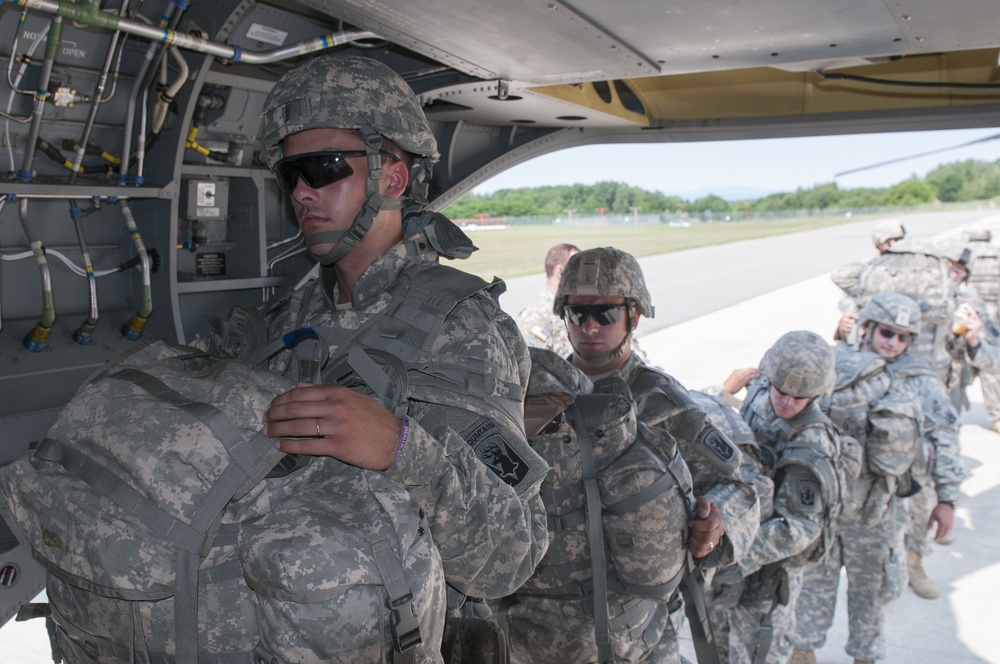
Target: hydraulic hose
pixel 133 327
pixel 38 338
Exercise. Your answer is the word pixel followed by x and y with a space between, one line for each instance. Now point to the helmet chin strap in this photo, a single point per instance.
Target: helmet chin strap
pixel 343 241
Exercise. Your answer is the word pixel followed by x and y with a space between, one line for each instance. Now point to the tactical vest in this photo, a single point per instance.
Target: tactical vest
pixel 418 302
pixel 617 505
pixel 918 272
pixel 173 530
pixel 782 448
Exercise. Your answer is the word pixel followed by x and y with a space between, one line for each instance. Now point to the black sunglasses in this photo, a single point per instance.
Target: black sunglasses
pixel 318 169
pixel 888 333
pixel 603 314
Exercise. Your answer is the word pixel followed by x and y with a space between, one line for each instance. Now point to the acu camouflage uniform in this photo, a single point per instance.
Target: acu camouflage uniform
pixel 877 412
pixel 667 416
pixel 984 276
pixel 543 329
pixel 666 410
pixel 466 462
pixel 918 270
pixel 618 530
pixel 723 597
pixel 802 456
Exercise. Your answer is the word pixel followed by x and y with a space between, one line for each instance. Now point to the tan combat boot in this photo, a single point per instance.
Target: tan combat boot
pixel 802 657
pixel 922 584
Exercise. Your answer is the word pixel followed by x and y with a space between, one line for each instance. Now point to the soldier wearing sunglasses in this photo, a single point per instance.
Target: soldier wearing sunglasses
pixel 347 140
pixel 601 296
pixel 890 324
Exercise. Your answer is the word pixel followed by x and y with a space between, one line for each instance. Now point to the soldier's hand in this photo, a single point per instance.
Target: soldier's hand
pixel 334 421
pixel 706 530
pixel 943 515
pixel 846 325
pixel 739 379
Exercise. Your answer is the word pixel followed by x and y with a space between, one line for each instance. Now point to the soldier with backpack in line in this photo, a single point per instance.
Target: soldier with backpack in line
pixel 984 276
pixel 891 328
pixel 886 419
pixel 405 463
pixel 804 454
pixel 708 513
pixel 884 235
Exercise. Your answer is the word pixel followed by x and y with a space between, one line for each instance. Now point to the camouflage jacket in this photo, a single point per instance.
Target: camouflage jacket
pixel 942 458
pixel 800 505
pixel 466 461
pixel 542 328
pixel 664 404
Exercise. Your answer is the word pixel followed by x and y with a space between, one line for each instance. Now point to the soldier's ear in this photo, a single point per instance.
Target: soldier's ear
pixel 396 174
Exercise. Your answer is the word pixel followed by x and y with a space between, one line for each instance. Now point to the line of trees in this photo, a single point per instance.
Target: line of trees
pixel 956 182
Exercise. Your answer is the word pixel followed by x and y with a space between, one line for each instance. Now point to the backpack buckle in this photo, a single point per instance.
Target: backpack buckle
pixel 404 625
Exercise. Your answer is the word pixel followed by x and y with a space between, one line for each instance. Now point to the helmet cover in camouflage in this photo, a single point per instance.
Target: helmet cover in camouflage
pixel 800 364
pixel 956 251
pixel 888 230
pixel 977 234
pixel 603 271
pixel 892 309
pixel 346 92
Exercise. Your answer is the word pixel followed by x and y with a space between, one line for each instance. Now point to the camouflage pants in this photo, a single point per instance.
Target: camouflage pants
pixel 990 384
pixel 875 564
pixel 918 537
pixel 738 629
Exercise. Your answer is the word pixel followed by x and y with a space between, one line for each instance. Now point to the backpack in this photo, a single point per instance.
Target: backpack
pixel 832 474
pixel 173 530
pixel 918 271
pixel 617 508
pixel 885 422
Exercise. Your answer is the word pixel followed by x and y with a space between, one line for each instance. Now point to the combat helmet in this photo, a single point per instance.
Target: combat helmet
pixel 892 309
pixel 888 230
pixel 977 234
pixel 801 365
pixel 351 92
pixel 603 271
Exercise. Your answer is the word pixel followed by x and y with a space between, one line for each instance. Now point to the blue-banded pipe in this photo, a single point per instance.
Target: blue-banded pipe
pixel 41 95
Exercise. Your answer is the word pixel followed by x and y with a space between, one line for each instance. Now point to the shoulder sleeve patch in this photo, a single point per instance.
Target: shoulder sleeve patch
pixel 489 445
pixel 540 333
pixel 717 447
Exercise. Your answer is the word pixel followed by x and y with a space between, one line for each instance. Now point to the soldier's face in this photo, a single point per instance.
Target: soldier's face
pixel 890 342
pixel 594 343
pixel 333 207
pixel 785 406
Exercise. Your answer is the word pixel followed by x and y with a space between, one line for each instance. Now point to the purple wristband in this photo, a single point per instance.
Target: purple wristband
pixel 402 438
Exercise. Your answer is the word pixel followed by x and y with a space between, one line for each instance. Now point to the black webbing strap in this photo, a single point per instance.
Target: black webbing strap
pixel 595 537
pixel 696 609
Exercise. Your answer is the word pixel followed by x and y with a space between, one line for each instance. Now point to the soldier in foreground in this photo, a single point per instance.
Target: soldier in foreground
pixel 801 453
pixel 349 143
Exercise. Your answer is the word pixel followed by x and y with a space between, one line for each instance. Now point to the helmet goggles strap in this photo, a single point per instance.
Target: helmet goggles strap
pixel 344 240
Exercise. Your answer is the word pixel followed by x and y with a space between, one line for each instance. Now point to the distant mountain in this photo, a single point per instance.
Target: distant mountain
pixel 731 194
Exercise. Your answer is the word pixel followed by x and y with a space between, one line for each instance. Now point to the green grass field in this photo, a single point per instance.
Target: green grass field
pixel 520 250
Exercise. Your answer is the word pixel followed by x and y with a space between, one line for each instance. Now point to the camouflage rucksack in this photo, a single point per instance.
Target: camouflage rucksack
pixel 611 501
pixel 173 530
pixel 884 421
pixel 917 270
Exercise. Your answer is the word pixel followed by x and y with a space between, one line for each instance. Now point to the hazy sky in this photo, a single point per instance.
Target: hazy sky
pixel 781 164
